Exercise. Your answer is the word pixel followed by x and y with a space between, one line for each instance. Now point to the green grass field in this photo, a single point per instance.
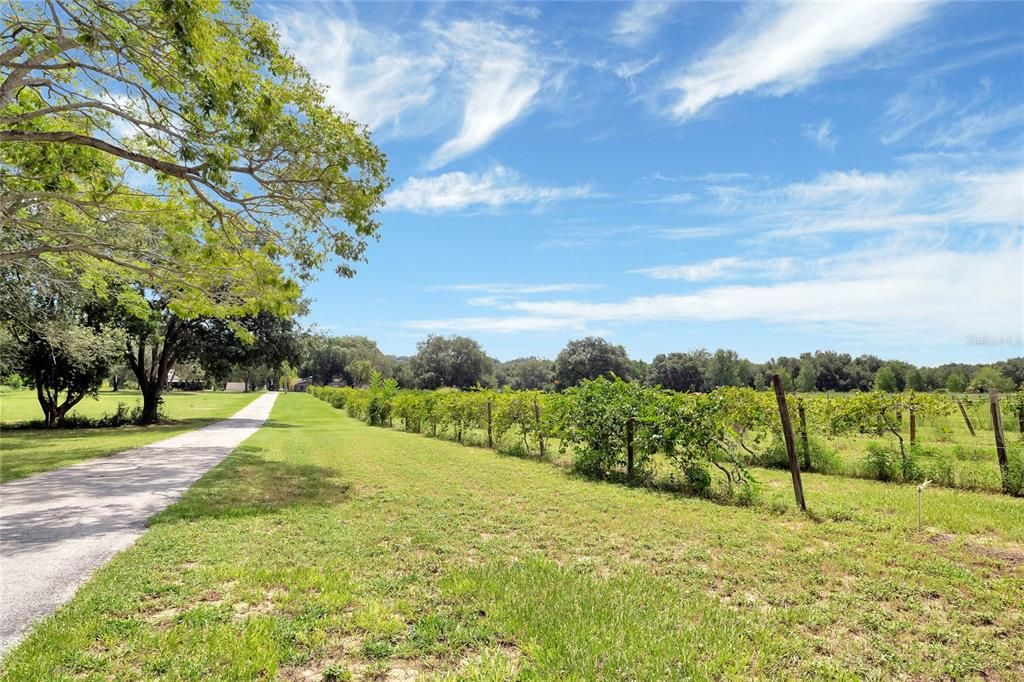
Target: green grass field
pixel 325 548
pixel 28 451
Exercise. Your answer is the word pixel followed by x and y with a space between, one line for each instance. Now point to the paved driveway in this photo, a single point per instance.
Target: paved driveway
pixel 57 527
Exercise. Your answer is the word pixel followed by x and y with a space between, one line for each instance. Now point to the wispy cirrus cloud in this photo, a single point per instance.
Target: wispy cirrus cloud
pixel 934 119
pixel 477 75
pixel 517 289
pixel 728 267
pixel 504 77
pixel 494 188
pixel 944 296
pixel 378 77
pixel 781 48
pixel 496 325
pixel 821 134
pixel 638 22
pixel 903 201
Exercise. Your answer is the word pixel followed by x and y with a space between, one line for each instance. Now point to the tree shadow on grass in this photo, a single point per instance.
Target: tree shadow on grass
pixel 30 451
pixel 248 484
pixel 30 434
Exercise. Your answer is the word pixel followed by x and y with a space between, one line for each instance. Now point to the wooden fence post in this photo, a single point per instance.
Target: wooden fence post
pixel 787 432
pixel 490 427
pixel 967 420
pixel 997 427
pixel 803 432
pixel 913 426
pixel 540 432
pixel 629 448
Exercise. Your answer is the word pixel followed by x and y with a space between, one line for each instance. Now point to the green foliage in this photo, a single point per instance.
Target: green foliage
pixel 990 379
pixel 956 383
pixel 336 672
pixel 679 371
pixel 885 463
pixel 379 396
pixel 455 361
pixel 728 429
pixel 602 419
pixel 237 160
pixel 807 379
pixel 591 358
pixel 886 380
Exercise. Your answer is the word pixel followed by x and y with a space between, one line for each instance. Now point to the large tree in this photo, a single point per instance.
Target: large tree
pixel 349 358
pixel 174 144
pixel 679 371
pixel 529 373
pixel 590 358
pixel 55 337
pixel 456 361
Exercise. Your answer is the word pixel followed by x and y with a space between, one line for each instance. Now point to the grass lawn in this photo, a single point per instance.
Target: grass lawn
pixel 28 451
pixel 324 548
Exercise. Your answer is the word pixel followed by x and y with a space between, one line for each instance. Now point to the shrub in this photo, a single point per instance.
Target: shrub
pixel 823 458
pixel 336 672
pixel 697 479
pixel 885 463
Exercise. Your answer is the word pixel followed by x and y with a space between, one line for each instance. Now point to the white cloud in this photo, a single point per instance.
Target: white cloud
pixel 926 296
pixel 788 47
pixel 821 134
pixel 934 296
pixel 457 191
pixel 498 325
pixel 691 232
pixel 633 68
pixel 635 24
pixel 374 76
pixel 908 111
pixel 504 79
pixel 477 75
pixel 505 288
pixel 974 129
pixel 937 121
pixel 729 267
pixel 903 201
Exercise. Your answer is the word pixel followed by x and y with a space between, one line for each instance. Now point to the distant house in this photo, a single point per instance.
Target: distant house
pixel 176 382
pixel 235 386
pixel 302 384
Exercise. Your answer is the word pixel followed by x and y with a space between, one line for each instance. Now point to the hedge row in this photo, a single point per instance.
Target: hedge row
pixel 614 428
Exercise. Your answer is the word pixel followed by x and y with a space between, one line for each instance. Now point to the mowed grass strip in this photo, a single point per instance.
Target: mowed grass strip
pixel 328 549
pixel 24 452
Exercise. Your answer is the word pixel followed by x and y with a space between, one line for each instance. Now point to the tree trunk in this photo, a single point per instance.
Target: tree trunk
pixel 152 373
pixel 150 404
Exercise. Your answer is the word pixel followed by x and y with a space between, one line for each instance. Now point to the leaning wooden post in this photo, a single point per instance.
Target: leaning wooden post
pixel 997 427
pixel 540 431
pixel 787 433
pixel 490 424
pixel 803 432
pixel 967 420
pixel 629 448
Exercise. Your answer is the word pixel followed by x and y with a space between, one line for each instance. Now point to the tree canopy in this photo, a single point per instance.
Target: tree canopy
pixel 590 358
pixel 175 144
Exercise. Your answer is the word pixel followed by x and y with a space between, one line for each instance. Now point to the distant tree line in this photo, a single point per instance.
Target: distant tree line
pixel 460 362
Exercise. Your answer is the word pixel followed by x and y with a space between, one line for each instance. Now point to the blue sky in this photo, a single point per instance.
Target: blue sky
pixel 768 178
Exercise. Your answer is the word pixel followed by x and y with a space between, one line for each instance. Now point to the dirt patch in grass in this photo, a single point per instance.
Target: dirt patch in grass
pixel 1009 553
